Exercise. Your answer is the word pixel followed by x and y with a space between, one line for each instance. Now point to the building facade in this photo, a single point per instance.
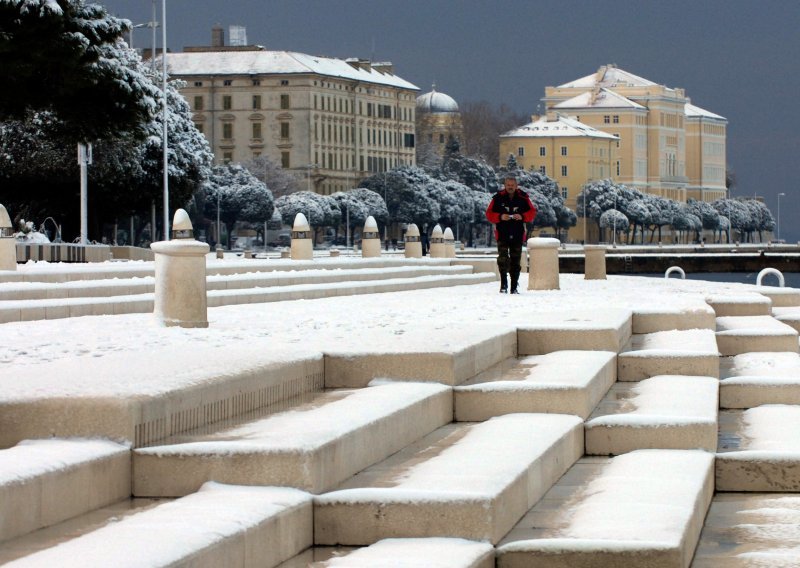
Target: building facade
pixel 438 120
pixel 333 121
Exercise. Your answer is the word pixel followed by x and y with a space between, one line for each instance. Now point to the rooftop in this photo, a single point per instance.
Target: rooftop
pixel 693 111
pixel 609 76
pixel 561 126
pixel 598 98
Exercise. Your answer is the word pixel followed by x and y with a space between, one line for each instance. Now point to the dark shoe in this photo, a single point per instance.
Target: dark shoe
pixel 503 282
pixel 503 290
pixel 514 290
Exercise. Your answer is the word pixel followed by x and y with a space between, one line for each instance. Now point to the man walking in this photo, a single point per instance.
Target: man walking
pixel 509 210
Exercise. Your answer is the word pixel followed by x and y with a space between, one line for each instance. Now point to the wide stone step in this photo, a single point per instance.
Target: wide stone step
pixel 642 509
pixel 470 481
pixel 220 525
pixel 561 382
pixel 759 449
pixel 788 315
pixel 752 304
pixel 43 482
pixel 596 330
pixel 668 316
pixel 781 297
pixel 753 379
pixel 664 412
pixel 675 352
pixel 400 553
pixel 314 446
pixel 748 530
pixel 747 334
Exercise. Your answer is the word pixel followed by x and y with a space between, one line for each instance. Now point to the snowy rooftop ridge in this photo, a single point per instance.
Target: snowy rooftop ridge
pixel 693 111
pixel 601 98
pixel 608 76
pixel 276 62
pixel 561 126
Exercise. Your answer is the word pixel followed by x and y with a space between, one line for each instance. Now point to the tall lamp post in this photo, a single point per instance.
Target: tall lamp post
pixel 166 114
pixel 615 219
pixel 779 214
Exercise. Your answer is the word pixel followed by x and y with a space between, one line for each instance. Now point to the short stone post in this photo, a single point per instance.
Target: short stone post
pixel 370 239
pixel 8 244
pixel 180 290
pixel 594 262
pixel 413 247
pixel 302 247
pixel 523 260
pixel 543 272
pixel 220 252
pixel 437 243
pixel 449 243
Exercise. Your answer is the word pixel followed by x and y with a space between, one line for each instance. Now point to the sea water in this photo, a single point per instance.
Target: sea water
pixel 792 278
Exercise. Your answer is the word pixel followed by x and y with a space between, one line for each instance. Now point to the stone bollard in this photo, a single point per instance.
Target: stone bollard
pixel 334 252
pixel 523 261
pixel 180 290
pixel 449 244
pixel 543 272
pixel 286 253
pixel 302 247
pixel 220 252
pixel 413 243
pixel 370 239
pixel 8 244
pixel 437 243
pixel 594 262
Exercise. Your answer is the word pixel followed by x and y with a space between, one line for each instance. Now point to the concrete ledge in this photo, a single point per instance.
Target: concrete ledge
pixel 736 335
pixel 676 352
pixel 313 447
pixel 218 526
pixel 788 315
pixel 562 382
pixel 603 330
pixel 665 318
pixel 664 412
pixel 44 482
pixel 753 379
pixel 424 489
pixel 781 297
pixel 740 305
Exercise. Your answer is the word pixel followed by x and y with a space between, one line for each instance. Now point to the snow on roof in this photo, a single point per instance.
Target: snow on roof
pixel 693 111
pixel 435 101
pixel 609 76
pixel 561 126
pixel 276 62
pixel 603 98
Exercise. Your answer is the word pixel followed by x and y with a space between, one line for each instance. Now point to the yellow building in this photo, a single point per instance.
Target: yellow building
pixel 568 151
pixel 667 146
pixel 438 119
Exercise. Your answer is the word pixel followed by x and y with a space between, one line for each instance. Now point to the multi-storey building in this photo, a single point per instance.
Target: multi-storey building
pixel 334 121
pixel 569 152
pixel 667 146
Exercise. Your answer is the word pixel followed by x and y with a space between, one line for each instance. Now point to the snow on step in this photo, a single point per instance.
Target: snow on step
pixel 43 482
pixel 642 509
pixel 221 525
pixel 313 447
pixel 435 352
pixel 562 382
pixel 470 481
pixel 664 412
pixel 759 449
pixel 740 304
pixel 750 530
pixel 753 379
pixel 408 553
pixel 746 334
pixel 781 297
pixel 596 330
pixel 789 315
pixel 664 317
pixel 145 397
pixel 675 352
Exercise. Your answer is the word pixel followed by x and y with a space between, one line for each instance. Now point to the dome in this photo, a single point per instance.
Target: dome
pixel 436 102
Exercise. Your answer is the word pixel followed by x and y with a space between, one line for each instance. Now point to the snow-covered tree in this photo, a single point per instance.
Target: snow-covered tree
pixel 408 195
pixel 615 220
pixel 511 163
pixel 281 182
pixel 685 222
pixel 358 204
pixel 320 210
pixel 737 212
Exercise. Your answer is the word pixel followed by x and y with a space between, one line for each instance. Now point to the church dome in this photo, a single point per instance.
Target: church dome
pixel 435 102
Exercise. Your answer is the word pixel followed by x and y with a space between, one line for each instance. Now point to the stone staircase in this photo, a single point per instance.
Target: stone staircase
pixel 594 440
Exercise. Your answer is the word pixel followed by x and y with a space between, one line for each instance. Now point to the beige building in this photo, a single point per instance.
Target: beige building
pixel 438 119
pixel 667 146
pixel 569 152
pixel 334 121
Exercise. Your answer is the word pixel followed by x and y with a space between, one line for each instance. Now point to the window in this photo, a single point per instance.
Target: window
pixel 285 160
pixel 563 171
pixel 564 192
pixel 521 151
pixel 256 130
pixel 227 82
pixel 198 83
pixel 256 82
pixel 284 82
pixel 542 151
pixel 617 135
pixel 315 102
pixel 227 157
pixel 563 150
pixel 256 102
pixel 284 102
pixel 226 102
pixel 256 154
pixel 227 130
pixel 543 170
pixel 616 119
pixel 606 119
pixel 441 138
pixel 284 130
pixel 198 103
pixel 617 167
pixel 200 127
pixel 408 140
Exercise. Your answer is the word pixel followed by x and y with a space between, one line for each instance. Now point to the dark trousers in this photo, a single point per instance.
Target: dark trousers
pixel 508 261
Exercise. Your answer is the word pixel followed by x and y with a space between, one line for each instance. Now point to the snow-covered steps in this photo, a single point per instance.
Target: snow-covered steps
pixel 788 315
pixel 747 334
pixel 146 397
pixel 753 379
pixel 663 412
pixel 435 352
pixel 642 509
pixel 781 297
pixel 740 304
pixel 401 553
pixel 470 481
pixel 675 352
pixel 749 530
pixel 220 525
pixel 598 330
pixel 314 446
pixel 43 482
pixel 561 382
pixel 759 449
pixel 666 317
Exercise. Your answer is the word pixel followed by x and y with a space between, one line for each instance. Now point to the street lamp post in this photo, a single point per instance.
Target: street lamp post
pixel 615 219
pixel 166 114
pixel 779 214
pixel 385 225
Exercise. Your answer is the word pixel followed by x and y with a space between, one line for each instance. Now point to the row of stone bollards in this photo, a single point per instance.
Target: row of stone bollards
pixel 544 273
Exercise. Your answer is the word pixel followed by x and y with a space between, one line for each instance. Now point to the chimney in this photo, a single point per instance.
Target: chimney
pixel 384 67
pixel 217 36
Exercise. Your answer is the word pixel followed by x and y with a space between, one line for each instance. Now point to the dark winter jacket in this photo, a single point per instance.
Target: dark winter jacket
pixel 510 232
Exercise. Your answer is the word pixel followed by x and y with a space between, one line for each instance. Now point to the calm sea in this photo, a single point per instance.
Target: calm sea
pixel 792 278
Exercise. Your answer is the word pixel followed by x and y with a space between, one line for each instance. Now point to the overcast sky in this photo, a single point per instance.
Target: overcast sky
pixel 737 58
